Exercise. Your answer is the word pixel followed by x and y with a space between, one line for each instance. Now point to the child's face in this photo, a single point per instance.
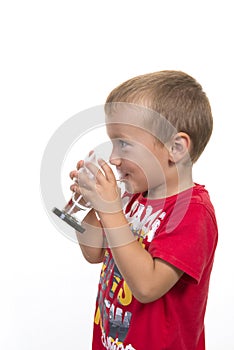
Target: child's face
pixel 142 163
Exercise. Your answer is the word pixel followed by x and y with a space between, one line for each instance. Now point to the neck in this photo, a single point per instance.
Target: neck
pixel 177 181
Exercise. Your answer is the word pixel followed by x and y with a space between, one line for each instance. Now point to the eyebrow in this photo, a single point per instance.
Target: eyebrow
pixel 120 137
pixel 117 135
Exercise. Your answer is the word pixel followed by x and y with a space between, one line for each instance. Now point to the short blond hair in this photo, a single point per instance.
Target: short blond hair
pixel 176 96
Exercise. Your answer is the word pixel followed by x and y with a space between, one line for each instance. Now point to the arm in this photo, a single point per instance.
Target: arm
pixel 148 278
pixel 91 241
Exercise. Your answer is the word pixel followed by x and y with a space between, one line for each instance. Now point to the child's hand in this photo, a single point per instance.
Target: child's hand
pixel 101 189
pixel 74 176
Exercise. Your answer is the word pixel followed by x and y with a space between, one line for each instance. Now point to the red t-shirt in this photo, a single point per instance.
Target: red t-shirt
pixel 181 230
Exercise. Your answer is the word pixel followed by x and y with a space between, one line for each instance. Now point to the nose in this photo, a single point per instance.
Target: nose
pixel 115 158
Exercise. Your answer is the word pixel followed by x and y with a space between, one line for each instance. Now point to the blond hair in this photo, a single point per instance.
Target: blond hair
pixel 176 96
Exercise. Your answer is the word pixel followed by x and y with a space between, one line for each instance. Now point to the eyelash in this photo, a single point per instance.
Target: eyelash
pixel 123 143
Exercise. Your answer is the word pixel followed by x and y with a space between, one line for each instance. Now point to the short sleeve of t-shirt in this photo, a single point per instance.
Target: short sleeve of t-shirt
pixel 190 244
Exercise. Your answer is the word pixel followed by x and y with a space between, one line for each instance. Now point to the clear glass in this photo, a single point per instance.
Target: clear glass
pixel 74 212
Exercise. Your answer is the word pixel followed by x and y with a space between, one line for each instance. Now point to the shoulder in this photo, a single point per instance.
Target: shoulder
pixel 200 201
pixel 192 209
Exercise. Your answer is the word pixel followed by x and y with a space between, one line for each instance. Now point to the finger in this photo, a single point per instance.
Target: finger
pixel 108 172
pixel 73 174
pixel 75 188
pixel 93 168
pixel 91 152
pixel 84 180
pixel 80 164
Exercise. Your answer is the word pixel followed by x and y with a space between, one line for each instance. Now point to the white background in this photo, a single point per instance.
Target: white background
pixel 59 58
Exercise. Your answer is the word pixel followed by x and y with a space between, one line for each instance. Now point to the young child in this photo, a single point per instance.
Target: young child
pixel 157 243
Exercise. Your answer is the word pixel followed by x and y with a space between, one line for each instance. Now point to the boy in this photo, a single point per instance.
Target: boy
pixel 157 245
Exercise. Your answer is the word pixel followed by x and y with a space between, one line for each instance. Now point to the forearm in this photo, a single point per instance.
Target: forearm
pixel 134 263
pixel 147 278
pixel 92 240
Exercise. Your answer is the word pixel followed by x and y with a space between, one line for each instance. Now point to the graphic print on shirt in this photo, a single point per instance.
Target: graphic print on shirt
pixel 112 317
pixel 114 301
pixel 143 221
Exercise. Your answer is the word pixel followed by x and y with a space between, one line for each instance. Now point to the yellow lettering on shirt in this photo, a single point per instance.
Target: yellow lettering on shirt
pixel 125 295
pixel 115 284
pixel 97 316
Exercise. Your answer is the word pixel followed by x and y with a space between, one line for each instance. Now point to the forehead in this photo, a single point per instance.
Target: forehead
pixel 126 113
pixel 131 119
pixel 127 121
pixel 126 131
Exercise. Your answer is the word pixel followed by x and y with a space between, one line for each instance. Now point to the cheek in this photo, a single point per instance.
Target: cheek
pixel 149 164
pixel 144 166
pixel 152 172
pixel 139 176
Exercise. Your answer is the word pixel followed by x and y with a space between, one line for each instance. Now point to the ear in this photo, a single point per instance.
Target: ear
pixel 179 147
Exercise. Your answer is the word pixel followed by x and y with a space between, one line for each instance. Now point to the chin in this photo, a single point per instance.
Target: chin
pixel 130 188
